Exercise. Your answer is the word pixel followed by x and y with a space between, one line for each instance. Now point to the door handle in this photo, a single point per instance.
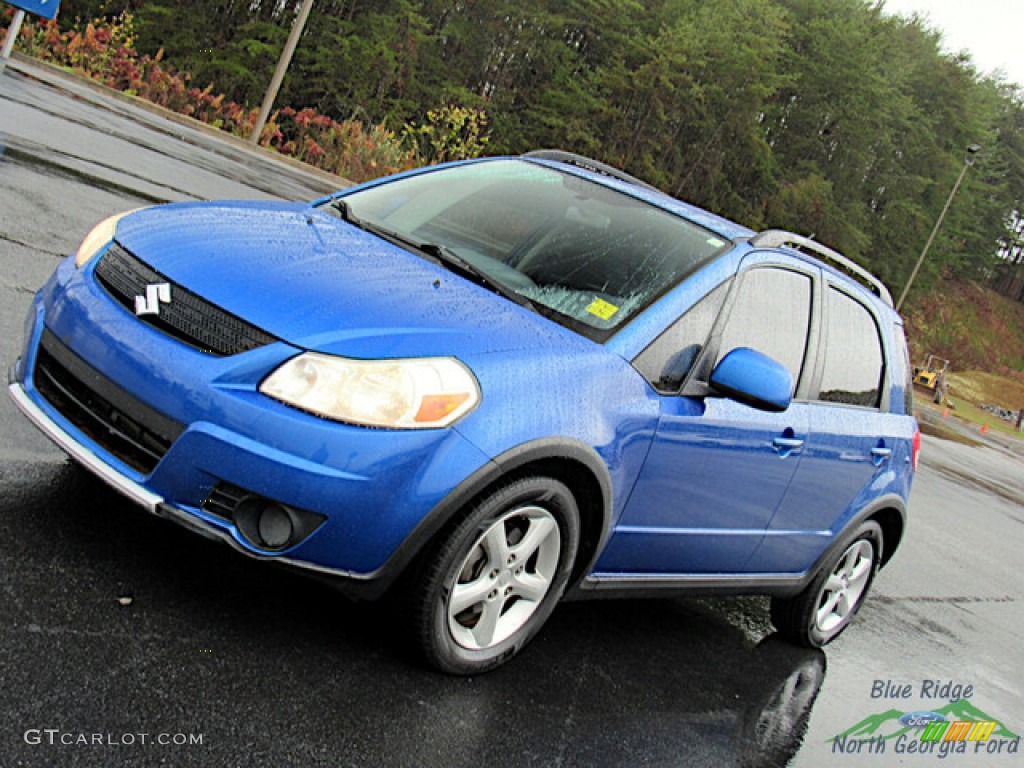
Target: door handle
pixel 880 454
pixel 789 443
pixel 784 446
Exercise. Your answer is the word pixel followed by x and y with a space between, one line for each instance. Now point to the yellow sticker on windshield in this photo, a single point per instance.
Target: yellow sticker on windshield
pixel 602 309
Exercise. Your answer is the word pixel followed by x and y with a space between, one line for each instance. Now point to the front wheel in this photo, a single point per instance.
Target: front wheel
pixel 827 606
pixel 484 590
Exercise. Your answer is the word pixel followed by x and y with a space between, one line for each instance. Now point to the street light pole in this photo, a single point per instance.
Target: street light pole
pixel 282 67
pixel 12 35
pixel 972 150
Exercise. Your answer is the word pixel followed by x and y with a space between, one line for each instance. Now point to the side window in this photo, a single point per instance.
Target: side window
pixel 669 358
pixel 853 354
pixel 771 314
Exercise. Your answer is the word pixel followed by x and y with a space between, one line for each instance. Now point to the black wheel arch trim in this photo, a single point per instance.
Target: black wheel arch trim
pixel 565 451
pixel 889 501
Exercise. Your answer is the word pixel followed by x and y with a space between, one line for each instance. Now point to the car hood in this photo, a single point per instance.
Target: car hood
pixel 320 283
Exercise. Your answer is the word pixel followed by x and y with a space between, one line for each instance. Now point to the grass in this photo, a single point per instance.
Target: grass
pixel 974 415
pixel 974 327
pixel 981 387
pixel 942 430
pixel 982 334
pixel 970 389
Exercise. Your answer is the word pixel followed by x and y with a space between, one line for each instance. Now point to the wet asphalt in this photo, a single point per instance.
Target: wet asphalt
pixel 125 640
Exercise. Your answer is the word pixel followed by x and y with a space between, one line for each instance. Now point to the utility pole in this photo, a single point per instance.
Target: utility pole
pixel 972 150
pixel 282 67
pixel 12 35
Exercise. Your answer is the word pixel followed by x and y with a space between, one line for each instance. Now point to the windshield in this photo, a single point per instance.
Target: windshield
pixel 583 254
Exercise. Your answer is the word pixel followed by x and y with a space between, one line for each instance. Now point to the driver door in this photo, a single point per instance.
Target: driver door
pixel 718 469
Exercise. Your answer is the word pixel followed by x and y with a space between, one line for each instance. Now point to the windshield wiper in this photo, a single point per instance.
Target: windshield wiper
pixel 450 259
pixel 344 210
pixel 441 254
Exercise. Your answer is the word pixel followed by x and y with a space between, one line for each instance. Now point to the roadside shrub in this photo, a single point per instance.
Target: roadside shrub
pixel 104 51
pixel 450 133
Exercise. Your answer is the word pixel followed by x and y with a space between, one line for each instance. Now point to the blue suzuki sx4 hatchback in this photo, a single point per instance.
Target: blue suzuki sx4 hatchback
pixel 480 387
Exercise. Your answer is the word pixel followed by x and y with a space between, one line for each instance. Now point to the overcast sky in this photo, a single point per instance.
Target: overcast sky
pixel 991 30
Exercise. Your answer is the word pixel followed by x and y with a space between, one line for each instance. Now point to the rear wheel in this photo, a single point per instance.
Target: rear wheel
pixel 485 589
pixel 827 606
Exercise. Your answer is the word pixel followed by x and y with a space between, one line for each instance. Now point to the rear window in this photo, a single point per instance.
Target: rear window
pixel 586 255
pixel 854 362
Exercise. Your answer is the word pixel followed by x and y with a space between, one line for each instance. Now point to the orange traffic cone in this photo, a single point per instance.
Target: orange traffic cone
pixel 984 428
pixel 945 413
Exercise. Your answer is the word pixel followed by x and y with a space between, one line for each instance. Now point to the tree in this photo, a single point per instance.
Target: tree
pixel 830 118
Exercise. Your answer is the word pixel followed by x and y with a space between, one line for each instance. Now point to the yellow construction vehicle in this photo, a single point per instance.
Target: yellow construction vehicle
pixel 930 377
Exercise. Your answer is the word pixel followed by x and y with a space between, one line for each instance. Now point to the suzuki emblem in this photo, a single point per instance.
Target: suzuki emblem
pixel 156 294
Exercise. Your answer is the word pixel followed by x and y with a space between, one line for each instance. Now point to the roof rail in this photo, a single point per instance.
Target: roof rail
pixel 773 238
pixel 594 166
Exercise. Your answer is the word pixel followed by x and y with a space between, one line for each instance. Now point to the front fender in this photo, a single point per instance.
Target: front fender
pixel 566 459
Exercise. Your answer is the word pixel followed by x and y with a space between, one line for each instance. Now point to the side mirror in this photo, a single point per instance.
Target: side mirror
pixel 747 376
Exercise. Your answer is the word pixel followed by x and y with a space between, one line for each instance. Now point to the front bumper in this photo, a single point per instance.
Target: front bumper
pixel 373 488
pixel 152 502
pixel 125 485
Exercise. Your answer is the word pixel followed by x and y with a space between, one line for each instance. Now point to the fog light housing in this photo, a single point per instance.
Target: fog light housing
pixel 272 526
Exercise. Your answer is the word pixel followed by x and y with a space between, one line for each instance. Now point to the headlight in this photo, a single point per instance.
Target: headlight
pixel 100 235
pixel 420 393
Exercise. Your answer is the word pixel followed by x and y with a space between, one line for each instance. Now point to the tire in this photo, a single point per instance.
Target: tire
pixel 486 586
pixel 820 613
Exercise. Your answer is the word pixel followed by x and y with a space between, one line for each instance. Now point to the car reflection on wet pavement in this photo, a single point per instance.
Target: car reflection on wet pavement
pixel 252 655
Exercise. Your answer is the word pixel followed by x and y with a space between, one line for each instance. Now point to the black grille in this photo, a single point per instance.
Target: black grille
pixel 187 317
pixel 128 428
pixel 223 500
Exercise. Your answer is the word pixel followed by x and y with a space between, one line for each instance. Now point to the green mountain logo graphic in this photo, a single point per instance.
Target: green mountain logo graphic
pixel 887 724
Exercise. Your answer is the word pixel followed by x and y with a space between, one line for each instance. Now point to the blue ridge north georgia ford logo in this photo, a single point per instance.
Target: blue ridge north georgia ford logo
pixel 956 727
